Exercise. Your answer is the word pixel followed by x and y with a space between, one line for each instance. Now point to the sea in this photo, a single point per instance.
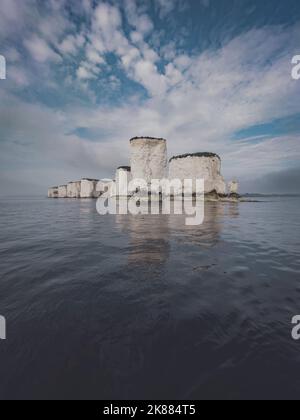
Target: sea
pixel 145 307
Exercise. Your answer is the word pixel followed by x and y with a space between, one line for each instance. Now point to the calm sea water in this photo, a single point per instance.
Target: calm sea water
pixel 144 307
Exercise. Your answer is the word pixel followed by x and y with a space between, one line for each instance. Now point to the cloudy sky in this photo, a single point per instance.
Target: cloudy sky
pixel 83 77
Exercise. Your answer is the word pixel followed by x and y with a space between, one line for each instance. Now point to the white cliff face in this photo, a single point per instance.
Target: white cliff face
pixel 88 188
pixel 62 191
pixel 148 158
pixel 199 166
pixel 74 189
pixel 149 164
pixel 53 192
pixel 107 186
pixel 123 177
pixel 233 187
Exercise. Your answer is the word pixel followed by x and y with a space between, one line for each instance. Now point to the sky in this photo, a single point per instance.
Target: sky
pixel 83 77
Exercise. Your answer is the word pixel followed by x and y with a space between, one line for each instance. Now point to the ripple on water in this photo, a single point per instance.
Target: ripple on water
pixel 124 307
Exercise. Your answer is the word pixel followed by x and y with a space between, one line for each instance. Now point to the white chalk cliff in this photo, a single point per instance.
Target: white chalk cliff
pixel 149 162
pixel 205 166
pixel 106 186
pixel 62 191
pixel 74 189
pixel 233 188
pixel 123 178
pixel 148 158
pixel 53 192
pixel 89 188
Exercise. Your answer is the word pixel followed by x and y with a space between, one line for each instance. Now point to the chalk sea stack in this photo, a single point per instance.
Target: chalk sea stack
pixel 194 166
pixel 106 186
pixel 62 191
pixel 123 177
pixel 148 158
pixel 149 162
pixel 233 190
pixel 74 189
pixel 53 192
pixel 88 188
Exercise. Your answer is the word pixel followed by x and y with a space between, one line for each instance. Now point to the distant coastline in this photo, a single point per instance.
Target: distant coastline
pixel 269 195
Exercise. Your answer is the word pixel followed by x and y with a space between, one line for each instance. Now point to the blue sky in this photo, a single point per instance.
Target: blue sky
pixel 209 75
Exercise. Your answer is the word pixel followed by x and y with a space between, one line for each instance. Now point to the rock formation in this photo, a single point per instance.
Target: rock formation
pixel 148 163
pixel 106 186
pixel 53 192
pixel 89 188
pixel 62 191
pixel 74 189
pixel 123 177
pixel 233 188
pixel 205 166
pixel 148 158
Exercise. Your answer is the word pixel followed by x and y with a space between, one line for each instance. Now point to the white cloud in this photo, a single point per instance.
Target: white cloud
pixel 182 62
pixel 129 57
pixel 71 44
pixel 107 35
pixel 11 16
pixel 165 7
pixel 136 37
pixel 86 71
pixel 138 61
pixel 139 20
pixel 93 56
pixel 12 55
pixel 144 25
pixel 53 27
pixel 107 18
pixel 40 50
pixel 197 102
pixel 218 94
pixel 87 6
pixel 146 73
pixel 173 75
pixel 19 76
pixel 251 161
pixel 169 51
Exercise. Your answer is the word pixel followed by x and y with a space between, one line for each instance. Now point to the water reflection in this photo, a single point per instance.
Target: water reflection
pixel 151 308
pixel 204 235
pixel 150 236
pixel 233 210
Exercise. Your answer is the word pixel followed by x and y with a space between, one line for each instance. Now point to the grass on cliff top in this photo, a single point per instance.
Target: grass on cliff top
pixel 199 154
pixel 147 138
